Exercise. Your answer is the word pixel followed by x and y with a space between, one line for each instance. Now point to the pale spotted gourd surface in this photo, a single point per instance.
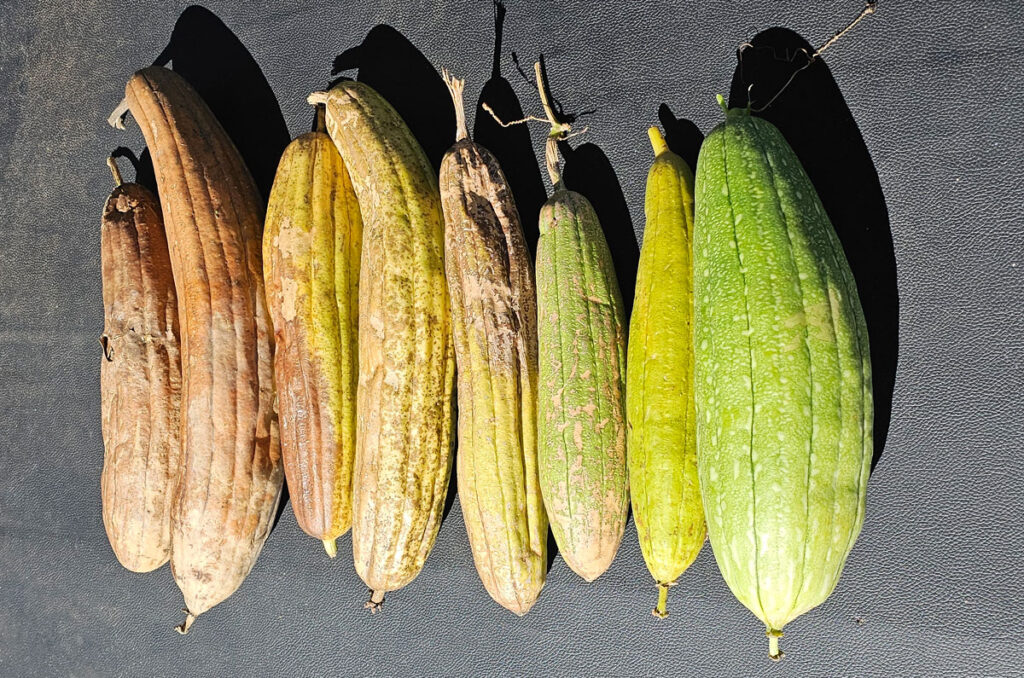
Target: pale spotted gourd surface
pixel 406 353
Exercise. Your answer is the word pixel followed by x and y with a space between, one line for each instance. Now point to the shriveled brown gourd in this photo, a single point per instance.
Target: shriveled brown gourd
pixel 140 378
pixel 494 316
pixel 231 463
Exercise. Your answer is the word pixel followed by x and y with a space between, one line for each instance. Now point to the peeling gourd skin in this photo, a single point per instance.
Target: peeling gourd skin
pixel 140 380
pixel 662 427
pixel 783 377
pixel 494 315
pixel 311 248
pixel 581 405
pixel 231 475
pixel 406 355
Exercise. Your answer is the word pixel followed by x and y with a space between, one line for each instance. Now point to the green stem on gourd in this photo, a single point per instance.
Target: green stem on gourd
pixel 773 644
pixel 661 611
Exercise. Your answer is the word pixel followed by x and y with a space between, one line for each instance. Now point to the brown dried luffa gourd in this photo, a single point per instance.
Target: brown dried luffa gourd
pixel 140 378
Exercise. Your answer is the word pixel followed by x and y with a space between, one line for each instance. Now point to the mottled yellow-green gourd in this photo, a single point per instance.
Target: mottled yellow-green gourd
pixel 311 249
pixel 581 401
pixel 406 355
pixel 662 438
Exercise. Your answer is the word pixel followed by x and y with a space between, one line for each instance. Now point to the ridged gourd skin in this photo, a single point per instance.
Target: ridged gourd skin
pixel 494 316
pixel 406 355
pixel 783 376
pixel 311 249
pixel 661 422
pixel 231 464
pixel 140 379
pixel 581 401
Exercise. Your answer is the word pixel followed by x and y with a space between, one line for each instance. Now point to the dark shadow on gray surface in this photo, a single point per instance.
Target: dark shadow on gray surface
pixel 813 116
pixel 215 62
pixel 512 146
pixel 399 72
pixel 682 136
pixel 143 166
pixel 453 476
pixel 145 173
pixel 588 171
pixel 552 550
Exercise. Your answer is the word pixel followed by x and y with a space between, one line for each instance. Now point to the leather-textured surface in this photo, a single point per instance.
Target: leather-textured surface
pixel 911 133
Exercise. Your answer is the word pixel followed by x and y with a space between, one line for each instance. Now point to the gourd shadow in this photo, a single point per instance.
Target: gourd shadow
pixel 204 51
pixel 682 136
pixel 399 72
pixel 143 166
pixel 512 145
pixel 453 476
pixel 588 171
pixel 814 118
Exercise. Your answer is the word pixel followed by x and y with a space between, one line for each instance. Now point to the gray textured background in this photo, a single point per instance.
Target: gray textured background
pixel 933 586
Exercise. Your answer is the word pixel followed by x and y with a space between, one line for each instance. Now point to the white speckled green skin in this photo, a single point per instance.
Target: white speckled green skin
pixel 783 376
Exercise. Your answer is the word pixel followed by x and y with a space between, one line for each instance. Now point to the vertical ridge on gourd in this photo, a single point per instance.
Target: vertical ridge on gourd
pixel 140 378
pixel 662 440
pixel 783 377
pixel 581 406
pixel 231 469
pixel 406 356
pixel 494 317
pixel 311 249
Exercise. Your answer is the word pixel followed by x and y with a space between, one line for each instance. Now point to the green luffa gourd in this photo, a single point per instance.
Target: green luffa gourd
pixel 783 376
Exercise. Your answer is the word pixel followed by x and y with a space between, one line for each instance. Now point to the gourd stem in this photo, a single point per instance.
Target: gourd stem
pixel 545 98
pixel 376 601
pixel 321 119
pixel 116 118
pixel 317 98
pixel 661 611
pixel 331 547
pixel 657 141
pixel 187 624
pixel 558 128
pixel 773 644
pixel 112 164
pixel 551 161
pixel 455 88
